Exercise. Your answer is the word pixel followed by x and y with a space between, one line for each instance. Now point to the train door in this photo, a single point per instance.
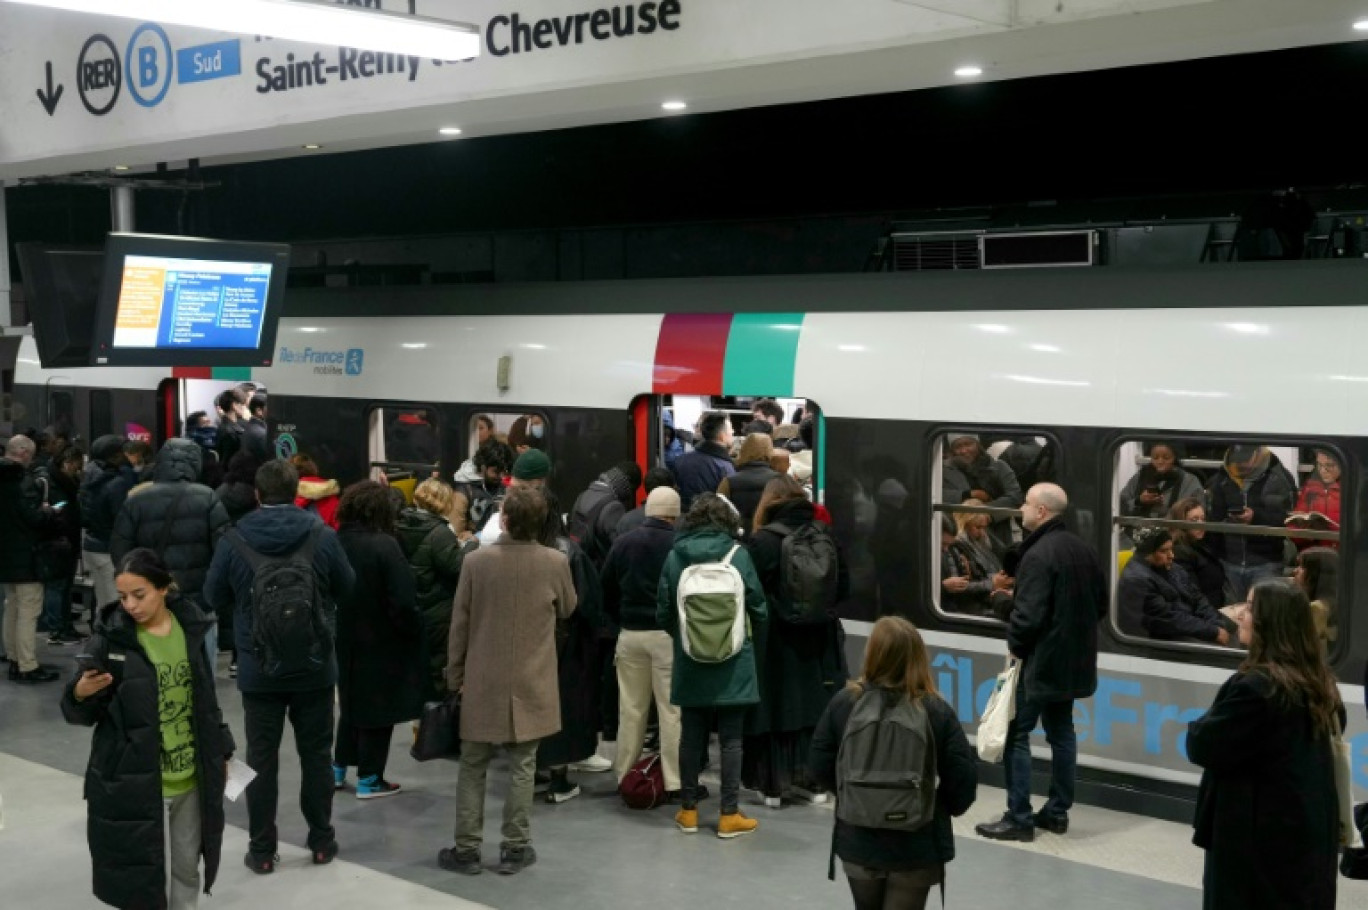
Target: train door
pixel 404 443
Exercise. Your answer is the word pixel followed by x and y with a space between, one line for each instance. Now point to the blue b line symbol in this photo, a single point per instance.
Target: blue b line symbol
pixel 147 67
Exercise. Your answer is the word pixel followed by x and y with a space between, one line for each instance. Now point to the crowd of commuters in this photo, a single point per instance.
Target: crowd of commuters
pixel 708 609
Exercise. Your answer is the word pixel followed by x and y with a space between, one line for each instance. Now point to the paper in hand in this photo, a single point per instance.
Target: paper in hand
pixel 239 776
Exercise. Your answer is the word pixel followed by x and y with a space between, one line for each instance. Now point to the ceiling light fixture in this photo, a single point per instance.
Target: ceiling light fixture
pixel 312 21
pixel 674 105
pixel 450 131
pixel 969 71
pixel 120 167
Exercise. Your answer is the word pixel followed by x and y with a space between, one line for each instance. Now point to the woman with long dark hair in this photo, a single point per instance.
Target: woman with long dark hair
pixel 1267 814
pixel 158 757
pixel 889 869
pixel 1317 572
pixel 381 664
pixel 1194 554
pixel 801 665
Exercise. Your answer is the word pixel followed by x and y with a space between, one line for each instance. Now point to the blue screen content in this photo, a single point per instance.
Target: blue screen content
pixel 191 304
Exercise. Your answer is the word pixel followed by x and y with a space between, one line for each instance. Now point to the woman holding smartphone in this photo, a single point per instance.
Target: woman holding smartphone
pixel 158 759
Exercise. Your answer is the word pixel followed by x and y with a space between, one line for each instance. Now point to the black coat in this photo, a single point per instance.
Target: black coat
pixel 102 496
pixel 578 669
pixel 196 526
pixel 23 522
pixel 237 498
pixel 1266 810
pixel 123 789
pixel 800 665
pixel 745 489
pixel 956 770
pixel 1061 594
pixel 254 440
pixel 381 660
pixel 436 556
pixel 1164 605
pixel 229 441
pixel 701 471
pixel 1203 568
pixel 631 575
pixel 1269 495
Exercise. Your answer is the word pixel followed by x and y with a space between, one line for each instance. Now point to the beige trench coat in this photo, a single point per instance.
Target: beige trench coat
pixel 502 648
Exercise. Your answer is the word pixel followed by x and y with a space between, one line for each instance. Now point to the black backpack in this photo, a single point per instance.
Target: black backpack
pixel 808 573
pixel 291 633
pixel 886 764
pixel 583 530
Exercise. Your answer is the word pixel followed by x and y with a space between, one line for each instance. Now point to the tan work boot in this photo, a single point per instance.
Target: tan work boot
pixel 686 820
pixel 735 825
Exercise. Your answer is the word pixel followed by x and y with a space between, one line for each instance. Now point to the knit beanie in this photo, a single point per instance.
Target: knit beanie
pixel 1149 539
pixel 662 503
pixel 532 465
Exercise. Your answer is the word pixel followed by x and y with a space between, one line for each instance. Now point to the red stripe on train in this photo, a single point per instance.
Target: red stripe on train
pixel 690 353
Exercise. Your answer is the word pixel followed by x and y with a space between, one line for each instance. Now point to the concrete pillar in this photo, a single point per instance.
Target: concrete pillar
pixel 122 214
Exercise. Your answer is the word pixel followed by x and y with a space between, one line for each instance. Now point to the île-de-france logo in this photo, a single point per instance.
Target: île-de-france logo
pixel 351 362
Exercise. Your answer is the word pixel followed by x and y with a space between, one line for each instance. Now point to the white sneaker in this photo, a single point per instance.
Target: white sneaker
pixel 594 763
pixel 814 797
pixel 774 802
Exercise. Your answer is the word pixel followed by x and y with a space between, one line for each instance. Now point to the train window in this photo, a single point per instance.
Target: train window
pixel 61 409
pixel 101 413
pixel 404 443
pixel 979 480
pixel 1196 523
pixel 520 430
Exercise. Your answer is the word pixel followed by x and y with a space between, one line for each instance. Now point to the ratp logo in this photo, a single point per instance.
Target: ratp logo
pixel 356 360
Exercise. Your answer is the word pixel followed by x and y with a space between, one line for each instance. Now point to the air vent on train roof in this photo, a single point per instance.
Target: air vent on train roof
pixel 921 252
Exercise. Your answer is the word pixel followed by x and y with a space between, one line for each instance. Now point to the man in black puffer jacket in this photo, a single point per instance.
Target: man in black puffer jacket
pixel 123 782
pixel 102 496
pixel 596 513
pixel 179 519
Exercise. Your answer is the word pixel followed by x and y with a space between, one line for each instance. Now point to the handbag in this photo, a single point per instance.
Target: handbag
pixel 439 730
pixel 643 787
pixel 991 741
pixel 1344 787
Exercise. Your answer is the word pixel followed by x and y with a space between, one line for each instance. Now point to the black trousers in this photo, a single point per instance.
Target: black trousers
pixel 365 747
pixel 311 715
pixel 731 722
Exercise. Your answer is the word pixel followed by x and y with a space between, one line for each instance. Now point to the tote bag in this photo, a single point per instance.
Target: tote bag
pixel 997 716
pixel 1344 787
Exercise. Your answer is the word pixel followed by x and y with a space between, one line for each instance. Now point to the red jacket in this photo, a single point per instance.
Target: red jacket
pixel 1318 496
pixel 320 495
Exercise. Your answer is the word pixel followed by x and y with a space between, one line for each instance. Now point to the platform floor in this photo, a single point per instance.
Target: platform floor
pixel 593 852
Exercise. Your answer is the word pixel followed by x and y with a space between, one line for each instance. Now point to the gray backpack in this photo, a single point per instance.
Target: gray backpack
pixel 886 766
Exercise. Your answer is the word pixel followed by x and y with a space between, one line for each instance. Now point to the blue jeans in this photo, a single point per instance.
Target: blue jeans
pixel 57 607
pixel 1057 717
pixel 1239 579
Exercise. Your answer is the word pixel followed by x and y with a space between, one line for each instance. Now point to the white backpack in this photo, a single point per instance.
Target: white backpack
pixel 712 610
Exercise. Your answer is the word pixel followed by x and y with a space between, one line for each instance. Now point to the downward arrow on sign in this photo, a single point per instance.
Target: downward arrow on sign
pixel 51 98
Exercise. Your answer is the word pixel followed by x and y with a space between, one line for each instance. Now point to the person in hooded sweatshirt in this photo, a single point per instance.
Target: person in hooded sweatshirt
pixel 316 494
pixel 177 518
pixel 1253 489
pixel 103 492
pixel 481 480
pixel 158 757
pixel 276 531
pixel 238 490
pixel 596 513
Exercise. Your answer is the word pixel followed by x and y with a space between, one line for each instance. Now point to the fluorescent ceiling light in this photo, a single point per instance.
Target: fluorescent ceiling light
pixel 450 131
pixel 969 72
pixel 120 167
pixel 310 21
pixel 414 345
pixel 674 105
pixel 311 146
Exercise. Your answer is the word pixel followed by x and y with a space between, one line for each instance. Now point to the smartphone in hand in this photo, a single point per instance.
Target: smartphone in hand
pixel 88 662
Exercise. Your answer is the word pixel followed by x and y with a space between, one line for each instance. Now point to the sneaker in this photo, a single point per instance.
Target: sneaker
pixel 261 863
pixel 513 860
pixel 454 859
pixel 686 820
pixel 37 675
pixel 735 825
pixel 324 854
pixel 813 797
pixel 339 777
pixel 373 787
pixel 561 790
pixel 594 764
pixel 232 670
pixel 774 802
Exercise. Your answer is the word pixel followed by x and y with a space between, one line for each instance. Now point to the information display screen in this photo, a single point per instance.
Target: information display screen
pixel 188 302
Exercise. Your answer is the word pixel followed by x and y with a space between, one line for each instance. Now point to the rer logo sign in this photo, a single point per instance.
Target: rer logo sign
pixel 99 75
pixel 149 64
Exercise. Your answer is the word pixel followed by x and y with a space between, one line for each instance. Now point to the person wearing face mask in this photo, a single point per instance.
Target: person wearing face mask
pixel 1191 552
pixel 1060 596
pixel 527 432
pixel 1154 489
pixel 1156 598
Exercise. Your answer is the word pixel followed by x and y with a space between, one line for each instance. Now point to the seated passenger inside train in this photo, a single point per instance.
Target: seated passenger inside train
pixel 1253 488
pixel 1193 553
pixel 1157 598
pixel 1317 573
pixel 990 589
pixel 1158 484
pixel 970 475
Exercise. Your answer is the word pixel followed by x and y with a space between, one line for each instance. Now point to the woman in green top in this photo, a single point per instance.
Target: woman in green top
pixel 160 748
